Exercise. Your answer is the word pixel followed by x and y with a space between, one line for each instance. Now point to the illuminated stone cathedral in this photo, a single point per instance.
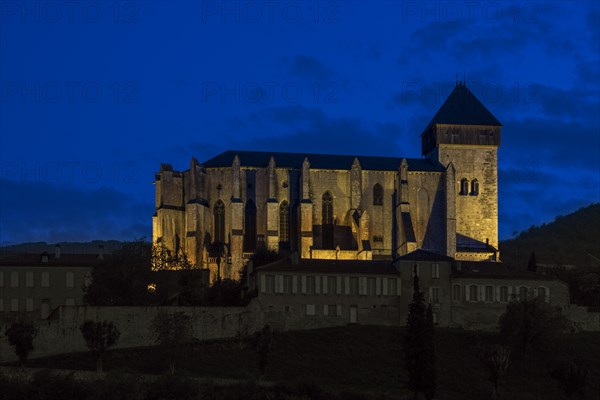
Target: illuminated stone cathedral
pixel 350 207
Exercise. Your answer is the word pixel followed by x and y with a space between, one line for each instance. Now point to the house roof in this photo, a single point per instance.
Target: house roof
pixel 463 108
pixel 424 255
pixel 260 159
pixel 380 267
pixel 490 269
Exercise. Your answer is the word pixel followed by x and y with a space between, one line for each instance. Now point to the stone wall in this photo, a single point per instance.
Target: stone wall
pixel 60 333
pixel 583 318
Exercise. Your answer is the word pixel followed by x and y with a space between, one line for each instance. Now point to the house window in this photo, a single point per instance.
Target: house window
pixel 69 301
pixel 14 305
pixel 489 293
pixel 503 294
pixel 287 284
pixel 474 187
pixel 70 279
pixel 45 279
pixel 14 279
pixel 284 225
pixel 354 286
pixel 456 293
pixel 371 286
pixel 392 287
pixel 219 221
pixel 543 293
pixel 331 284
pixel 332 310
pixel 464 187
pixel 250 226
pixel 435 295
pixel 327 220
pixel 28 279
pixel 435 318
pixel 435 271
pixel 45 308
pixel 310 309
pixel 310 284
pixel 270 284
pixel 29 304
pixel 473 293
pixel 523 293
pixel 377 195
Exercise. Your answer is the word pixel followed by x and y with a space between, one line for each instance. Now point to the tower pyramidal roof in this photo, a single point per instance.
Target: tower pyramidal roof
pixel 463 108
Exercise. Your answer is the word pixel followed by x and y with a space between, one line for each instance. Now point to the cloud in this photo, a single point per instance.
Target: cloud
pixel 310 68
pixel 39 211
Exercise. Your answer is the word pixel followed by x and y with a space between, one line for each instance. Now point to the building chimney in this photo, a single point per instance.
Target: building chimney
pixel 101 252
pixel 57 251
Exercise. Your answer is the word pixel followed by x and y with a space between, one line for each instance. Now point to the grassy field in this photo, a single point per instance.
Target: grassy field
pixel 360 359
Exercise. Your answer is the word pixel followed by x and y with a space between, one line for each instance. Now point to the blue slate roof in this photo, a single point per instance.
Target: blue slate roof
pixel 463 108
pixel 260 159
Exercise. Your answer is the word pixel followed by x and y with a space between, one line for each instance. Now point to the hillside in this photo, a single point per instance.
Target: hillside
pixel 573 239
pixel 66 247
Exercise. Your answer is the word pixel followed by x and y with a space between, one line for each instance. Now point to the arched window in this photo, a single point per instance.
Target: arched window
pixel 327 220
pixel 377 195
pixel 250 226
pixel 503 294
pixel 219 221
pixel 284 225
pixel 474 187
pixel 464 187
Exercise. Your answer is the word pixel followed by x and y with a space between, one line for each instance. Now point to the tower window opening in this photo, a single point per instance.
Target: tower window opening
pixel 327 220
pixel 464 187
pixel 219 221
pixel 474 187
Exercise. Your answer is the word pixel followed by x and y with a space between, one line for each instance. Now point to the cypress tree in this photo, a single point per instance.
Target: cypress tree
pixel 429 356
pixel 532 264
pixel 414 344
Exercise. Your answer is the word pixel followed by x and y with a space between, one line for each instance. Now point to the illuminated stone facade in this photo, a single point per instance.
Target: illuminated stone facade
pixel 342 207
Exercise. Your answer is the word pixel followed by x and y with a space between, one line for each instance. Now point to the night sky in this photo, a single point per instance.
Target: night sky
pixel 95 95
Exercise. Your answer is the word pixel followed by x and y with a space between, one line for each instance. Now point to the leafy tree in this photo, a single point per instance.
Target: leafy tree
pixel 172 332
pixel 532 321
pixel 417 344
pixel 496 359
pixel 20 335
pixel 123 279
pixel 99 337
pixel 163 259
pixel 572 376
pixel 532 263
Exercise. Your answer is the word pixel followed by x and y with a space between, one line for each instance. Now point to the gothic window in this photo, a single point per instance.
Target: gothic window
pixel 377 195
pixel 474 187
pixel 250 226
pixel 327 220
pixel 219 221
pixel 284 224
pixel 464 187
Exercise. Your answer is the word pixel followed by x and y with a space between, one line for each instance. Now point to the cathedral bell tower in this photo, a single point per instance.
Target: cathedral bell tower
pixel 464 137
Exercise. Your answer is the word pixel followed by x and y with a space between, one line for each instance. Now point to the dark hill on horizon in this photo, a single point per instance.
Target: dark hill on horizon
pixel 572 239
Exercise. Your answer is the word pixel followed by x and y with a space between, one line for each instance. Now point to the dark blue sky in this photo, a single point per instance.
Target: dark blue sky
pixel 94 96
